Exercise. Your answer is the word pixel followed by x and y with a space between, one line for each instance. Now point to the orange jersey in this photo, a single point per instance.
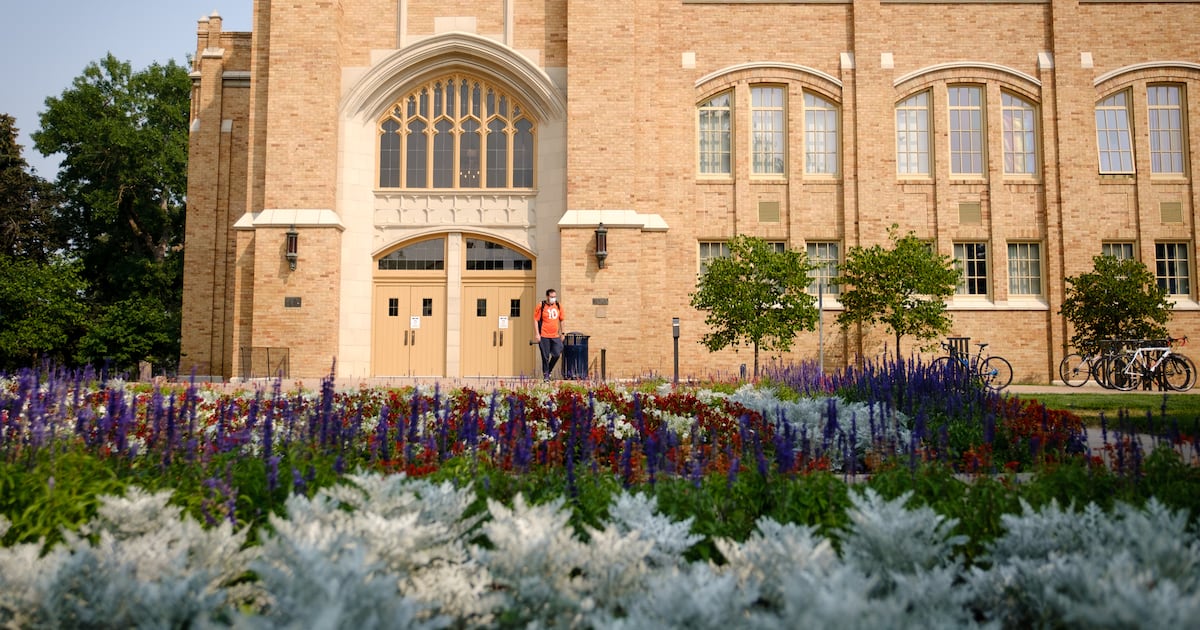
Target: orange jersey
pixel 549 318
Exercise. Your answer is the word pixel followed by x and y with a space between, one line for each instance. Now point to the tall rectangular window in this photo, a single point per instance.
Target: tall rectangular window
pixel 820 136
pixel 824 256
pixel 912 135
pixel 1166 129
pixel 1120 251
pixel 966 131
pixel 715 131
pixel 416 170
pixel 497 155
pixel 710 250
pixel 767 130
pixel 1024 269
pixel 971 258
pixel 1172 269
pixel 469 144
pixel 389 154
pixel 1020 150
pixel 443 154
pixel 1112 135
pixel 523 154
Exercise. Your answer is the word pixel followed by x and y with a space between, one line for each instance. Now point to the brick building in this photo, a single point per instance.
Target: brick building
pixel 391 185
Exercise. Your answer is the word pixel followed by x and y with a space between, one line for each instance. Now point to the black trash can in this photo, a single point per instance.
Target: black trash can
pixel 575 356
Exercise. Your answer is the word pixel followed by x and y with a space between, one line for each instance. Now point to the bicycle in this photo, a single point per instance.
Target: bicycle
pixel 1157 363
pixel 1077 369
pixel 995 372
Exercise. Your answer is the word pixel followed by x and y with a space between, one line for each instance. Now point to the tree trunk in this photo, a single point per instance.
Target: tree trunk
pixel 756 362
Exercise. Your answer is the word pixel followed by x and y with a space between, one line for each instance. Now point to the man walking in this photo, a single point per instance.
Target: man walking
pixel 547 325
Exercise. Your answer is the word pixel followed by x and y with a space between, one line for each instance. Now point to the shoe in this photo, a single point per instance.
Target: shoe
pixel 546 378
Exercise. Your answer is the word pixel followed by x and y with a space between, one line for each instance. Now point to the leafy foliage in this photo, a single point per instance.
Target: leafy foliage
pixel 756 296
pixel 41 308
pixel 28 229
pixel 1118 299
pixel 139 562
pixel 904 287
pixel 1068 567
pixel 124 139
pixel 397 552
pixel 42 312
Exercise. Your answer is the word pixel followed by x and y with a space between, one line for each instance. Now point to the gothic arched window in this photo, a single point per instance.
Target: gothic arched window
pixel 457 131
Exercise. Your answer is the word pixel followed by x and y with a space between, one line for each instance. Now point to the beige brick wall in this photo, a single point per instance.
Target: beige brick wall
pixel 301 115
pixel 631 145
pixel 216 199
pixel 310 331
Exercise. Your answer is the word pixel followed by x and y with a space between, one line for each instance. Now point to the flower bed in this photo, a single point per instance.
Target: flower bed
pixel 731 471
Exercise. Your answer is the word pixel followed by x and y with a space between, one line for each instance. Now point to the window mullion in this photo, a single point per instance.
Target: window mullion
pixel 510 148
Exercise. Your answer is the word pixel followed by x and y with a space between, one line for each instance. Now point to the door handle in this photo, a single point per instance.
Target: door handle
pixel 501 337
pixel 493 338
pixel 406 337
pixel 414 337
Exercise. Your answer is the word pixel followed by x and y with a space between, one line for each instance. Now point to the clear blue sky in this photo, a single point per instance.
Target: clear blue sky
pixel 50 42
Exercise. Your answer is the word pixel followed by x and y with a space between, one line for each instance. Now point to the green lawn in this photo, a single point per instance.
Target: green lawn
pixel 1183 409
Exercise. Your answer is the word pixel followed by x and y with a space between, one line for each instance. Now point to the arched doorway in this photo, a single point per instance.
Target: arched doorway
pixel 453 304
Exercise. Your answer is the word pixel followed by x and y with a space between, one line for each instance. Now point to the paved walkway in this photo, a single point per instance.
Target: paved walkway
pixel 497 382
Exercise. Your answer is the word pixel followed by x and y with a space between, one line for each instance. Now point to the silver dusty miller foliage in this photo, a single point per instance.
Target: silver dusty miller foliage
pixel 387 552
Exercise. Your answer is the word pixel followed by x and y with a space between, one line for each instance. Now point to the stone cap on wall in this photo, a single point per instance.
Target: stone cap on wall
pixel 613 219
pixel 297 217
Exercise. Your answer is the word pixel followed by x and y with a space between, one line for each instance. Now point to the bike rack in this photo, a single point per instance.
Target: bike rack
pixel 959 346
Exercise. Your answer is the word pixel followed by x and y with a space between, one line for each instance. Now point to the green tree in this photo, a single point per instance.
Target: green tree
pixel 124 139
pixel 1118 299
pixel 904 287
pixel 41 311
pixel 755 296
pixel 41 305
pixel 28 229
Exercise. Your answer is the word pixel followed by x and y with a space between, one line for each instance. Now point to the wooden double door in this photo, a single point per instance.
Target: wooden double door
pixel 409 329
pixel 497 329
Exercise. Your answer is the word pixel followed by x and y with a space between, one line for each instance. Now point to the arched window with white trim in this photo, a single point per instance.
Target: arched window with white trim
pixel 1113 136
pixel 1020 141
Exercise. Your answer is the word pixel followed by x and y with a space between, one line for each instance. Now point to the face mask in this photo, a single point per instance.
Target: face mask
pixel 553 300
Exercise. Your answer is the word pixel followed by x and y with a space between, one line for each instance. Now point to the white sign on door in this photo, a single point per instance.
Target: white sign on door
pixel 414 322
pixel 503 323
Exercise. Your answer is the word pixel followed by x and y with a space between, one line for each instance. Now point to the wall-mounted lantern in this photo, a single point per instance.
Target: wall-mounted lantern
pixel 601 245
pixel 293 247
